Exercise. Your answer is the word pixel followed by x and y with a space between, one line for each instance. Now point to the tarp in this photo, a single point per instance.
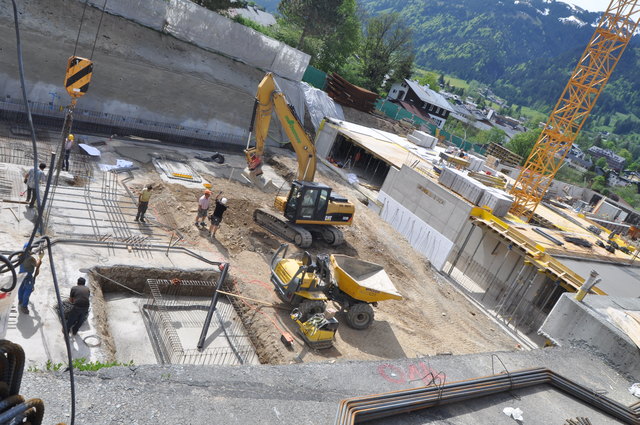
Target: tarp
pixel 320 105
pixel 89 149
pixel 424 238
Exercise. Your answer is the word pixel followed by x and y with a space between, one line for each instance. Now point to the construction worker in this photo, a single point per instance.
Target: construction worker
pixel 30 266
pixel 143 202
pixel 68 145
pixel 32 181
pixel 203 207
pixel 79 298
pixel 216 217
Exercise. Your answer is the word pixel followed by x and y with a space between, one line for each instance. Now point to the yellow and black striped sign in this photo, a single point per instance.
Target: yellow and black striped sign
pixel 79 71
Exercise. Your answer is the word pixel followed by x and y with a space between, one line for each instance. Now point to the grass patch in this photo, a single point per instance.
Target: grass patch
pixel 78 364
pixel 456 82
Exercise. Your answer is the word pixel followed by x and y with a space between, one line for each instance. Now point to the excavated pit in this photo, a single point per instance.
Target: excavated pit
pixel 156 316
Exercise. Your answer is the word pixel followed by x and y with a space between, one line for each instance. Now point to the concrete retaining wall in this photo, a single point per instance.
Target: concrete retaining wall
pixel 206 29
pixel 142 66
pixel 585 325
pixel 427 214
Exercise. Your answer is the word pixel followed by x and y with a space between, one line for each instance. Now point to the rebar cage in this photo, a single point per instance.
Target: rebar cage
pixel 175 313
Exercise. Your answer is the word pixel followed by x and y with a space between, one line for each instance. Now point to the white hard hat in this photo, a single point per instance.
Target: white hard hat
pixel 223 201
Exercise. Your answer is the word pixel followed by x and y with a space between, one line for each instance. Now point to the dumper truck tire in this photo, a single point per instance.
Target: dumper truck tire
pixel 308 308
pixel 360 316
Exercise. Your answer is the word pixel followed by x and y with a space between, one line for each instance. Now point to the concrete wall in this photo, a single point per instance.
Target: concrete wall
pixel 325 138
pixel 585 325
pixel 189 22
pixel 561 189
pixel 148 66
pixel 427 214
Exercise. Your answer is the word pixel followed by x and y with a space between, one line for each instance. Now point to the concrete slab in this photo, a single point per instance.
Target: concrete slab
pixel 617 279
pixel 128 329
pixel 587 325
pixel 310 393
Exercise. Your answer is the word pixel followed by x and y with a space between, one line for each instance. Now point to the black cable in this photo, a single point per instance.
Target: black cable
pixel 40 204
pixel 80 28
pixel 104 6
pixel 14 276
pixel 26 101
pixel 64 329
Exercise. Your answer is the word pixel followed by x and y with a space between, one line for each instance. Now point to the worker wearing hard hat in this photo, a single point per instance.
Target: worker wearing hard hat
pixel 216 217
pixel 68 145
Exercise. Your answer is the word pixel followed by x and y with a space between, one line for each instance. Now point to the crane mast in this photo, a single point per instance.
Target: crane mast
pixel 612 35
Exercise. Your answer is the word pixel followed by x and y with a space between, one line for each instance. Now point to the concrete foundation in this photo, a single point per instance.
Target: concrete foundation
pixel 427 214
pixel 496 274
pixel 586 325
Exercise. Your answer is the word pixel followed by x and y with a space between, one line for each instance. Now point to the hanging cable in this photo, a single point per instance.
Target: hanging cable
pixel 80 29
pixel 29 117
pixel 104 6
pixel 21 255
pixel 64 329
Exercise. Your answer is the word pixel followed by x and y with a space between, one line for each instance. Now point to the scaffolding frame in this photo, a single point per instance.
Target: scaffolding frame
pixel 612 35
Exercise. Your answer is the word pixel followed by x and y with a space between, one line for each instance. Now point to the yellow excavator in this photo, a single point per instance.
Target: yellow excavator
pixel 310 209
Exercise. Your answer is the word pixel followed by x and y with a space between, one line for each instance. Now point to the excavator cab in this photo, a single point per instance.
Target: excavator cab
pixel 307 201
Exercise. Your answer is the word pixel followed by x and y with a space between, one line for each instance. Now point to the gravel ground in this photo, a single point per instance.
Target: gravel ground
pixel 310 393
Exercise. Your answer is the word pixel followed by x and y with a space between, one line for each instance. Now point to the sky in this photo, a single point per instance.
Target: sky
pixel 590 5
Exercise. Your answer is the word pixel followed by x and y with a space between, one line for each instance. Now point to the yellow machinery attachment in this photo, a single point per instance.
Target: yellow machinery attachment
pixel 318 331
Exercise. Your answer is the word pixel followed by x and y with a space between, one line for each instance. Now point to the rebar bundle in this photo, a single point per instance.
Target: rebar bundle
pixel 362 409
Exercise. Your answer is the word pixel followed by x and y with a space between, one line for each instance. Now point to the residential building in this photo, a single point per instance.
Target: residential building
pixel 613 179
pixel 578 159
pixel 430 102
pixel 615 162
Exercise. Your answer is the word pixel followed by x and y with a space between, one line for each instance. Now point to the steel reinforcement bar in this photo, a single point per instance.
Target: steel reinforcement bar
pixel 362 409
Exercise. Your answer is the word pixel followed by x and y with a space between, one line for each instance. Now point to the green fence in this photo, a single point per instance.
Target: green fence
pixel 315 77
pixel 396 112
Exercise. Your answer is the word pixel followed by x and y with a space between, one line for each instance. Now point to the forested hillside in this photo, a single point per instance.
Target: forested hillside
pixel 480 39
pixel 524 50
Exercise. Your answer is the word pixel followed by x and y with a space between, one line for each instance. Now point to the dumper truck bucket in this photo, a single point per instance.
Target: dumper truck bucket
pixel 363 280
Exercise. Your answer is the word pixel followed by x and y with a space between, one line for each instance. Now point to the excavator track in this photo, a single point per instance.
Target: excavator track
pixel 289 231
pixel 332 235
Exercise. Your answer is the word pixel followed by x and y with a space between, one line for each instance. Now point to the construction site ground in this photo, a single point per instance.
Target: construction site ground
pixel 432 318
pixel 434 330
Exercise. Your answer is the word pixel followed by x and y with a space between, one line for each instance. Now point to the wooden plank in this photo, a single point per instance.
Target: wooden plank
pixel 627 323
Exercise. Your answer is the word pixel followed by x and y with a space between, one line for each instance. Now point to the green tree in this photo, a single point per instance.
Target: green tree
pixel 387 43
pixel 314 18
pixel 339 46
pixel 626 155
pixel 404 70
pixel 598 140
pixel 599 184
pixel 429 79
pixel 441 81
pixel 522 143
pixel 601 162
pixel 589 176
pixel 495 135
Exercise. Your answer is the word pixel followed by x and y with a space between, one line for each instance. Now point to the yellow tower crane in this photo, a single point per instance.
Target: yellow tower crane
pixel 611 37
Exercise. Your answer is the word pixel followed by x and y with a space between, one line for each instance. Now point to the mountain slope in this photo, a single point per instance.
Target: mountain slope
pixel 480 39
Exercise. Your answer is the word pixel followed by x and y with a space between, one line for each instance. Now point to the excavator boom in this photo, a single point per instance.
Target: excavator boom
pixel 310 209
pixel 270 98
